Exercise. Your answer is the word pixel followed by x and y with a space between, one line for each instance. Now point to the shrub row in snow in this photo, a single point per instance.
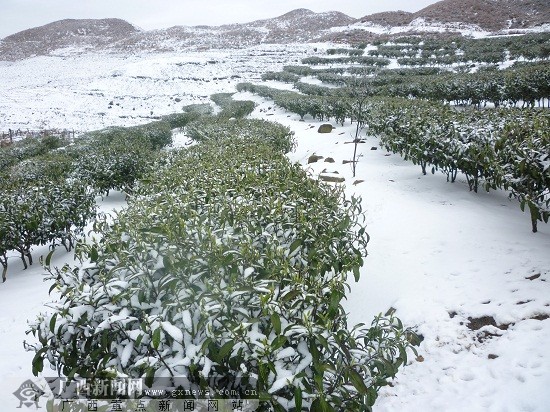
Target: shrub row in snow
pixel 52 209
pixel 526 84
pixel 506 148
pixel 229 263
pixel 236 109
pixel 47 196
pixel 503 148
pixel 28 148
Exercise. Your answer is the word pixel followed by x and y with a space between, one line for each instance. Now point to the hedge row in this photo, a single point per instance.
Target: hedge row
pixel 502 148
pixel 228 267
pixel 47 194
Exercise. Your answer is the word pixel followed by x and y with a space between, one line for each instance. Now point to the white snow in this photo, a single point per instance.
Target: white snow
pixel 438 254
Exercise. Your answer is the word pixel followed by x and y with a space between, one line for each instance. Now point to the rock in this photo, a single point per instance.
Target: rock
pixel 334 179
pixel 325 128
pixel 374 148
pixel 314 158
pixel 329 160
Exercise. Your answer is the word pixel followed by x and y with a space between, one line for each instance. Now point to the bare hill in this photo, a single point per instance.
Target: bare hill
pixel 300 25
pixel 82 34
pixel 490 15
pixel 389 18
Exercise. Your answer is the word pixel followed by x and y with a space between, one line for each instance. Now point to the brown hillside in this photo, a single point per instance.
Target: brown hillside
pixel 82 33
pixel 389 18
pixel 490 15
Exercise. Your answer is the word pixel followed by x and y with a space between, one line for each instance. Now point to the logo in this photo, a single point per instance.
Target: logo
pixel 28 393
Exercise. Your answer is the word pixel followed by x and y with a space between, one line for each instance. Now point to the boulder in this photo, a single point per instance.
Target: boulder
pixel 332 179
pixel 314 158
pixel 325 128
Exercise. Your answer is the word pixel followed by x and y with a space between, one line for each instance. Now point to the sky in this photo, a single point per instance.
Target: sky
pixel 17 15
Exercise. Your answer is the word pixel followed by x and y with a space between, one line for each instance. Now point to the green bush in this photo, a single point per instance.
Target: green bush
pixel 215 130
pixel 28 148
pixel 229 261
pixel 114 158
pixel 40 213
pixel 236 109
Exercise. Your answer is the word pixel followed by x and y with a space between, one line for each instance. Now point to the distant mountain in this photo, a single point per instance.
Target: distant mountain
pixel 116 35
pixel 81 34
pixel 489 15
pixel 298 26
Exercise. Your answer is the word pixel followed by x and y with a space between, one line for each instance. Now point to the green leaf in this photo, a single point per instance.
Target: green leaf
pixel 356 273
pixel 276 321
pixel 48 259
pixel 226 349
pixel 93 254
pixel 149 376
pixel 294 245
pixel 321 405
pixel 357 381
pixel 290 295
pixel 298 398
pixel 38 362
pixel 156 338
pixel 278 342
pixel 52 322
pixel 335 298
pixel 372 394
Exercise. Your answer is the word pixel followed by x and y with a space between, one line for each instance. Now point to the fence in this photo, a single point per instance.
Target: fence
pixel 7 138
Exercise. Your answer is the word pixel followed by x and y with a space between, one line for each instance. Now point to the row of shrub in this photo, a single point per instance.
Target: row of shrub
pixel 505 148
pixel 28 148
pixel 349 52
pixel 493 49
pixel 47 195
pixel 363 60
pixel 228 267
pixel 230 108
pixel 527 84
pixel 318 106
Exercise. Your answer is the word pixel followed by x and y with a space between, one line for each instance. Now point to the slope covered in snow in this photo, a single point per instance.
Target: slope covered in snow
pixel 463 267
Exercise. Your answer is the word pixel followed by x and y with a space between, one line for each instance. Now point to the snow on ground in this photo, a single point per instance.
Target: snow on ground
pixel 92 91
pixel 438 254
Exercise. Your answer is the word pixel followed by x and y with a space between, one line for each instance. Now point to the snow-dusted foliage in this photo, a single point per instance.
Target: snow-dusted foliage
pixel 524 151
pixel 430 133
pixel 506 148
pixel 229 263
pixel 114 158
pixel 41 204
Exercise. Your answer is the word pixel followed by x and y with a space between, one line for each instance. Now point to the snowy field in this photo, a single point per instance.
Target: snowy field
pixel 464 268
pixel 91 91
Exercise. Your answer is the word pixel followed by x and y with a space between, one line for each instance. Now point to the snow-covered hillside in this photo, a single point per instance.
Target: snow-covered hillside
pixel 462 267
pixel 95 90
